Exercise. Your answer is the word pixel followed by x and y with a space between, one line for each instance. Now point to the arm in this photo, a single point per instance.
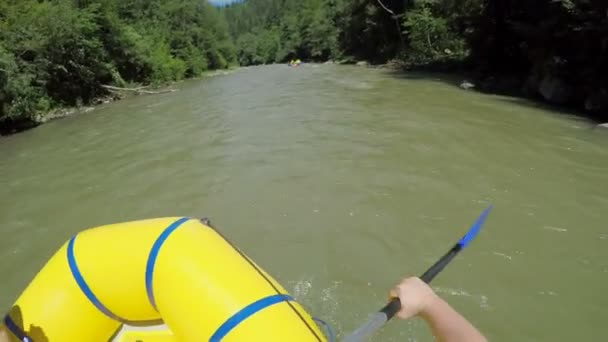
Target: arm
pixel 418 299
pixel 3 334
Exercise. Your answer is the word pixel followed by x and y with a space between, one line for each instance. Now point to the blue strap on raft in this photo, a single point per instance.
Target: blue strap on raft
pixel 245 313
pixel 154 254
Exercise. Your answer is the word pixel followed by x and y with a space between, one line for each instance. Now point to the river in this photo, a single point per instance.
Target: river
pixel 339 181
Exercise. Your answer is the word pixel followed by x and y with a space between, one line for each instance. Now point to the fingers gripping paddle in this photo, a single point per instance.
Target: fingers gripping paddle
pixel 390 309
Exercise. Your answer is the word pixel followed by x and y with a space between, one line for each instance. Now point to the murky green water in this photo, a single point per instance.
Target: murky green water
pixel 339 181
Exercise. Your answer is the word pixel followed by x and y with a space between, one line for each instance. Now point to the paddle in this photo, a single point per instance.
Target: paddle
pixel 377 320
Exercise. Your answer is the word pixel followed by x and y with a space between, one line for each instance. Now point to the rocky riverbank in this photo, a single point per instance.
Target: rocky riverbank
pixel 589 101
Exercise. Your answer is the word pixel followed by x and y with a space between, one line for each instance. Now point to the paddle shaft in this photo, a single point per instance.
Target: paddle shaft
pixel 394 305
pixel 377 320
pixel 390 310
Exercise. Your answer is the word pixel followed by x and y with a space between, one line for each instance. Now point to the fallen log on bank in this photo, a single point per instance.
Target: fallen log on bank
pixel 139 90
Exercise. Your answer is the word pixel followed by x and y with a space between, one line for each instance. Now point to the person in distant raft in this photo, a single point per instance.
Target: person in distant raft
pixel 418 299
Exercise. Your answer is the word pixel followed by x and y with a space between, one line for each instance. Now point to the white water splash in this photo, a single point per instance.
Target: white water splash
pixel 503 255
pixel 323 299
pixel 301 288
pixel 434 218
pixel 480 299
pixel 555 229
pixel 353 84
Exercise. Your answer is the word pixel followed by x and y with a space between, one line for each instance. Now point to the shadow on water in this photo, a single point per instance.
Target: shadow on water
pixel 35 333
pixel 510 93
pixel 535 104
pixel 453 79
pixel 569 112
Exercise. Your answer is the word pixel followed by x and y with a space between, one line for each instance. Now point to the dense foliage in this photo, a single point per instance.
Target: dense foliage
pixel 277 30
pixel 61 52
pixel 557 49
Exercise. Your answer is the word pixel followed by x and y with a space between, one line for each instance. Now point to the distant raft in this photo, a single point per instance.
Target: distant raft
pixel 166 279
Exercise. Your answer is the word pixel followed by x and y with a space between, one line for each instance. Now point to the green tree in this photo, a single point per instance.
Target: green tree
pixel 20 100
pixel 429 34
pixel 61 52
pixel 278 30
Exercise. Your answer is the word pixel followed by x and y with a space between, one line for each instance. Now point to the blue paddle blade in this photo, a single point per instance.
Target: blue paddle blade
pixel 474 229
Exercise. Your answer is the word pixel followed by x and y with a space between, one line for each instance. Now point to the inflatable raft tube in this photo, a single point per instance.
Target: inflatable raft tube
pixel 121 282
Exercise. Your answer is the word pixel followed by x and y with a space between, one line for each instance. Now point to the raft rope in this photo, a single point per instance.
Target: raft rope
pixel 207 222
pixel 327 329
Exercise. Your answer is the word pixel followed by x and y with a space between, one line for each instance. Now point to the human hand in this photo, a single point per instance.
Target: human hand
pixel 415 295
pixel 3 335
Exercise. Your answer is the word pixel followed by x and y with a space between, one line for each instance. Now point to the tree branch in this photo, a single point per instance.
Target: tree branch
pixel 398 25
pixel 428 39
pixel 386 8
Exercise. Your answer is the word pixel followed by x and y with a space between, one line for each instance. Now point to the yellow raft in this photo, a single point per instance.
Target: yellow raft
pixel 119 282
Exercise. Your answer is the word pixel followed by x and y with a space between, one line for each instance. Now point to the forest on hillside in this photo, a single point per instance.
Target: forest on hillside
pixel 554 50
pixel 62 52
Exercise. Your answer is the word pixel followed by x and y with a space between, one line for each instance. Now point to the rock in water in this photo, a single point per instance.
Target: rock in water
pixel 362 63
pixel 555 90
pixel 597 101
pixel 531 85
pixel 604 125
pixel 466 85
